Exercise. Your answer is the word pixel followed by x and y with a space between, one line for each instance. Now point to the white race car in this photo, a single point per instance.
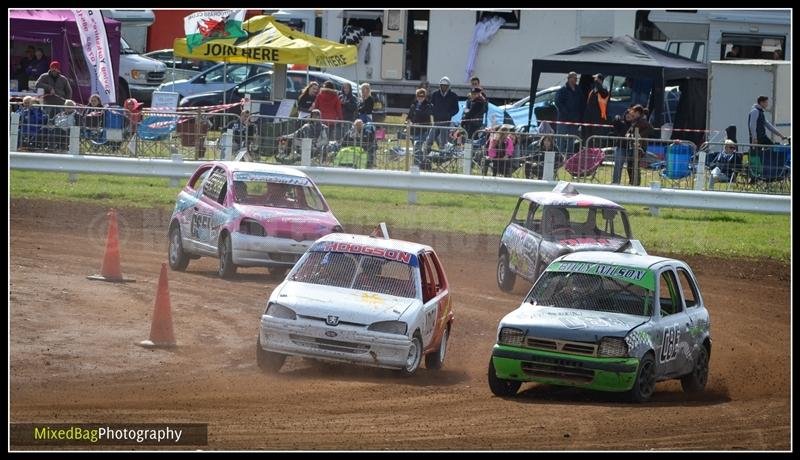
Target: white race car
pixel 360 299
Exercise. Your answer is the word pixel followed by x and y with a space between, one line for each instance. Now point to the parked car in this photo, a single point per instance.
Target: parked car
pixel 139 75
pixel 360 299
pixel 259 87
pixel 247 214
pixel 606 321
pixel 546 225
pixel 217 77
pixel 179 68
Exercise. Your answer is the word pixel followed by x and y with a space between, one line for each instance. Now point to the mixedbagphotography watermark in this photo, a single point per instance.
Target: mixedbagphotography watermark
pixel 109 434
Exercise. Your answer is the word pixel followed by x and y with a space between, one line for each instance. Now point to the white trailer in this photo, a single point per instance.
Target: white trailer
pixel 712 35
pixel 402 48
pixel 734 86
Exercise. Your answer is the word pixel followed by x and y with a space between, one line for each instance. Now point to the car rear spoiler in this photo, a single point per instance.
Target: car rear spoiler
pixel 633 247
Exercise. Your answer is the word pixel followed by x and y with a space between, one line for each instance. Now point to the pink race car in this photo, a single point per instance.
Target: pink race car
pixel 247 214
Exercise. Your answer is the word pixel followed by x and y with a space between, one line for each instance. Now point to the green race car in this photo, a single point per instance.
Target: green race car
pixel 606 321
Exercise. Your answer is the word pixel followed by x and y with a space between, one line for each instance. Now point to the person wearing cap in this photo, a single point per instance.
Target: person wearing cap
pixel 445 105
pixel 596 108
pixel 56 86
pixel 569 108
pixel 726 165
pixel 472 120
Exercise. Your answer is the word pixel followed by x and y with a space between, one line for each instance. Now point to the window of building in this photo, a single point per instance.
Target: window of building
pixel 512 17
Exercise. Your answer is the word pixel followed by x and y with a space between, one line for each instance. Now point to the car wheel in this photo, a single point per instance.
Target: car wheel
pixel 226 267
pixel 505 277
pixel 645 384
pixel 695 382
pixel 124 92
pixel 267 360
pixel 178 260
pixel 501 387
pixel 435 360
pixel 414 357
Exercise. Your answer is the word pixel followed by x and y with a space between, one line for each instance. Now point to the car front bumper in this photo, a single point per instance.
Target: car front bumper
pixel 528 365
pixel 351 344
pixel 266 251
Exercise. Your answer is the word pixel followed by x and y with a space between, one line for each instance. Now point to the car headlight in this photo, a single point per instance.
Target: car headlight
pixel 612 347
pixel 137 74
pixel 511 336
pixel 389 327
pixel 277 310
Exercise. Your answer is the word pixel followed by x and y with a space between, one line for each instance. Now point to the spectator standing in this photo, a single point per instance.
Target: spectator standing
pixel 349 103
pixel 758 124
pixel 418 116
pixel 596 108
pixel 367 104
pixel 472 120
pixel 56 86
pixel 328 103
pixel 445 106
pixel 133 114
pixel 621 125
pixel 307 98
pixel 569 107
pixel 639 123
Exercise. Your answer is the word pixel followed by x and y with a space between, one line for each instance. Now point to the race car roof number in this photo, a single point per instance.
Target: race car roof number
pixel 638 276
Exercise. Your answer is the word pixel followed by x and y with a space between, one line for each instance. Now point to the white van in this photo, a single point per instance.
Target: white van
pixel 139 76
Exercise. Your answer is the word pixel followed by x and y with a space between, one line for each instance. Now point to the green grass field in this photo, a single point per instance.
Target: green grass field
pixel 687 232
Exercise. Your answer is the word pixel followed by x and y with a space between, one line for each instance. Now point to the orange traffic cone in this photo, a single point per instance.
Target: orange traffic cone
pixel 161 334
pixel 111 270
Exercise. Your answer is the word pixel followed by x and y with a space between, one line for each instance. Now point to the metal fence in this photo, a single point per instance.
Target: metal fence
pixel 197 134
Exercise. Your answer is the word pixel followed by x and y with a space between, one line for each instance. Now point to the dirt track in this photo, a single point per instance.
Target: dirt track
pixel 73 356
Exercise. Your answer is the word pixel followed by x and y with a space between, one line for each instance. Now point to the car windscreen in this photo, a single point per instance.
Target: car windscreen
pixel 277 191
pixel 583 291
pixel 585 222
pixel 356 271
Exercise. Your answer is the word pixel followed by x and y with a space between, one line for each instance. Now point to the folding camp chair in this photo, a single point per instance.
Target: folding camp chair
pixel 585 163
pixel 767 169
pixel 678 165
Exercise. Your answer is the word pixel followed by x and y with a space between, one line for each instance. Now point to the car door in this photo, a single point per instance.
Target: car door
pixel 524 238
pixel 188 203
pixel 672 329
pixel 221 78
pixel 695 311
pixel 207 212
pixel 432 293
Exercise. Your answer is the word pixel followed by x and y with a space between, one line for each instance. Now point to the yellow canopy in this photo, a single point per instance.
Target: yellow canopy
pixel 271 41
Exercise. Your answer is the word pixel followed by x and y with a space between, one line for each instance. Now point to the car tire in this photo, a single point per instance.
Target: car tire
pixel 414 359
pixel 695 382
pixel 267 360
pixel 645 384
pixel 505 277
pixel 178 259
pixel 226 266
pixel 435 359
pixel 124 92
pixel 501 387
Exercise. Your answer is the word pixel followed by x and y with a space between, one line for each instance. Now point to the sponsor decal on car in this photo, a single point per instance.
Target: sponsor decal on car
pixel 253 176
pixel 638 276
pixel 355 248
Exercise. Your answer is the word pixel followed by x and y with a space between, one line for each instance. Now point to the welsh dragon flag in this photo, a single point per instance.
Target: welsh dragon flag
pixel 203 26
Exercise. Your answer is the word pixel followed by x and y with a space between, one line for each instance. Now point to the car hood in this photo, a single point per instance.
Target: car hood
pixel 275 220
pixel 570 324
pixel 350 305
